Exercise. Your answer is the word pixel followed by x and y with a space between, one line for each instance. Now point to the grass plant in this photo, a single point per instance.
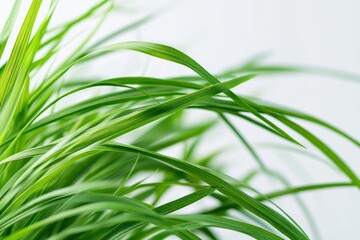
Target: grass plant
pixel 67 173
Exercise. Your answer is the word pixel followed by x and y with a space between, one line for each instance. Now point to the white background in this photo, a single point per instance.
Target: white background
pixel 220 34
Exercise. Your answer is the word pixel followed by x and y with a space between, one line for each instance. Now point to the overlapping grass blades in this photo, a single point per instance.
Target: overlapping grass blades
pixel 65 175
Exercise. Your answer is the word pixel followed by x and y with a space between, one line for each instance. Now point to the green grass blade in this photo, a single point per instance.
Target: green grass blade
pixel 239 197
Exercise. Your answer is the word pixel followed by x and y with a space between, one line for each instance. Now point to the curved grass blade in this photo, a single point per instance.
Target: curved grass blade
pixel 197 220
pixel 239 197
pixel 323 148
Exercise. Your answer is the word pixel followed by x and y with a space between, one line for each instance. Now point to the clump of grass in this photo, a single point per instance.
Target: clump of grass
pixel 65 176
